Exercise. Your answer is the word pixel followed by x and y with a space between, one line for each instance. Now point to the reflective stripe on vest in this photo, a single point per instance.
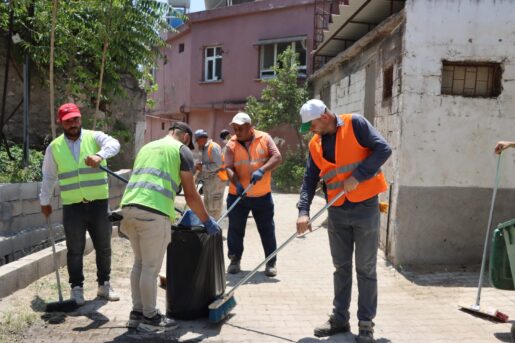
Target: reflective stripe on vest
pixel 246 161
pixel 159 173
pixel 221 173
pixel 156 176
pixel 78 181
pixel 340 170
pixel 349 154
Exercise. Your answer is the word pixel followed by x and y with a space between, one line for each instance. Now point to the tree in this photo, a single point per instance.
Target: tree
pixel 281 99
pixel 96 42
pixel 279 104
pixel 51 71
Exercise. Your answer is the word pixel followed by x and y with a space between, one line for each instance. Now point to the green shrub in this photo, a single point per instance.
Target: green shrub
pixel 288 176
pixel 12 171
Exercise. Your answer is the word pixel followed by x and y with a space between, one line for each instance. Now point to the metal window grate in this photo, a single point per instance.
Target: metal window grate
pixel 471 79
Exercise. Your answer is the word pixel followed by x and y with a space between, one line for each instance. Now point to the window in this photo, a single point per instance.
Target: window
pixel 181 47
pixel 213 63
pixel 270 53
pixel 471 79
pixel 387 83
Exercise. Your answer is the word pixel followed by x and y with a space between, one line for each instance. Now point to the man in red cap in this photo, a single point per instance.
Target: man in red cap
pixel 72 159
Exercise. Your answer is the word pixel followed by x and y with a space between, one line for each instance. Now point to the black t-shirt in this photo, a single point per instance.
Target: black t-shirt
pixel 186 159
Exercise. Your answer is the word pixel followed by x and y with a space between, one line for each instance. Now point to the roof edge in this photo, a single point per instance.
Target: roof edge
pixel 386 26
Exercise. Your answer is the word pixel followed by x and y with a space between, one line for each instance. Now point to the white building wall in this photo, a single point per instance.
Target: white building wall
pixel 348 95
pixel 446 164
pixel 454 132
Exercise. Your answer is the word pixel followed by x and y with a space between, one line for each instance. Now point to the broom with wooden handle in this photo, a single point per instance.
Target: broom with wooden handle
pixel 476 309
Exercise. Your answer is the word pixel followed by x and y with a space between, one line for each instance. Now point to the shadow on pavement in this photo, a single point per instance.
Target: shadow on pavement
pixel 132 335
pixel 89 310
pixel 503 336
pixel 341 338
pixel 279 338
pixel 440 275
pixel 258 278
pixel 197 330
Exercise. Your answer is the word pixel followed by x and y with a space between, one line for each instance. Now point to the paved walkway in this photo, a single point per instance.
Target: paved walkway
pixel 412 307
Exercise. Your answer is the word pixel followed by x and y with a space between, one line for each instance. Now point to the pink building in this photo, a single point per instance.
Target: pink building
pixel 219 57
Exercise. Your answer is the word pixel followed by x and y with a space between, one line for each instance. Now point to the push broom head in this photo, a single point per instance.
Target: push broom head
pixel 220 308
pixel 62 306
pixel 491 314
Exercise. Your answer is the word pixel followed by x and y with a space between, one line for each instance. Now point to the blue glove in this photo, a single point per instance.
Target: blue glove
pixel 257 175
pixel 239 189
pixel 211 226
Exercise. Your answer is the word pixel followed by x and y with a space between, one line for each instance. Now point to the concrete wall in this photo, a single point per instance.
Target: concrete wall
pixel 356 86
pixel 447 164
pixel 22 225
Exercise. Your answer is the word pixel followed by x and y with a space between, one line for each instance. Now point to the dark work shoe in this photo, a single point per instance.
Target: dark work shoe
pixel 157 323
pixel 331 327
pixel 134 319
pixel 366 332
pixel 234 267
pixel 270 271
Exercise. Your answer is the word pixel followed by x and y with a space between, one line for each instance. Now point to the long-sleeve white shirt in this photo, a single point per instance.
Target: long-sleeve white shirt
pixel 109 147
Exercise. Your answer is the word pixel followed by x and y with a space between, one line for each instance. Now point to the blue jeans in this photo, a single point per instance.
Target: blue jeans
pixel 77 218
pixel 356 227
pixel 263 212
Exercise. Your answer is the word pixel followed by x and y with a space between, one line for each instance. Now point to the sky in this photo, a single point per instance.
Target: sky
pixel 197 5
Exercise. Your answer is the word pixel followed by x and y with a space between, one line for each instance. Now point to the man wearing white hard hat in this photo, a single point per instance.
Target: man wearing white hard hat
pixel 250 157
pixel 346 152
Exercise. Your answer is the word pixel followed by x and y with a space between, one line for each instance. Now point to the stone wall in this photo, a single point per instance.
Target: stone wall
pixel 23 227
pixel 356 85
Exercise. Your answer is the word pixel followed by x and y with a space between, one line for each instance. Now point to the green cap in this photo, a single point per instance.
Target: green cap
pixel 305 127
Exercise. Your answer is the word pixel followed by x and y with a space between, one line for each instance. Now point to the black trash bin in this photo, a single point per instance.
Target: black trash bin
pixel 195 272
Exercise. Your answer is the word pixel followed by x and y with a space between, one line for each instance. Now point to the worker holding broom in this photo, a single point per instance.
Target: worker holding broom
pixel 211 172
pixel 72 160
pixel 502 145
pixel 250 157
pixel 346 152
pixel 499 148
pixel 147 205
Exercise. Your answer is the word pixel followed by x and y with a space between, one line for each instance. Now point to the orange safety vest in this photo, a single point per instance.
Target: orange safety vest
pixel 222 173
pixel 348 155
pixel 246 161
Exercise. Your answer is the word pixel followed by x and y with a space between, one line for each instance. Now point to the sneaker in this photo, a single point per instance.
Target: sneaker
pixel 331 327
pixel 366 332
pixel 77 294
pixel 157 323
pixel 134 319
pixel 107 292
pixel 234 267
pixel 270 271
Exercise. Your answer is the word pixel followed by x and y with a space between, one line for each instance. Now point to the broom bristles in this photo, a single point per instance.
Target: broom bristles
pixel 492 314
pixel 220 309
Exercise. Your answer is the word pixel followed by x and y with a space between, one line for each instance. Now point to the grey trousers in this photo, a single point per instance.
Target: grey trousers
pixel 354 228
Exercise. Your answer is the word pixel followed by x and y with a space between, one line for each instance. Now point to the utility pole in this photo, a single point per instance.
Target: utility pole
pixel 26 96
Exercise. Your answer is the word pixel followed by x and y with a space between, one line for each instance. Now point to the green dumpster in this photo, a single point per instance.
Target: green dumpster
pixel 502 256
